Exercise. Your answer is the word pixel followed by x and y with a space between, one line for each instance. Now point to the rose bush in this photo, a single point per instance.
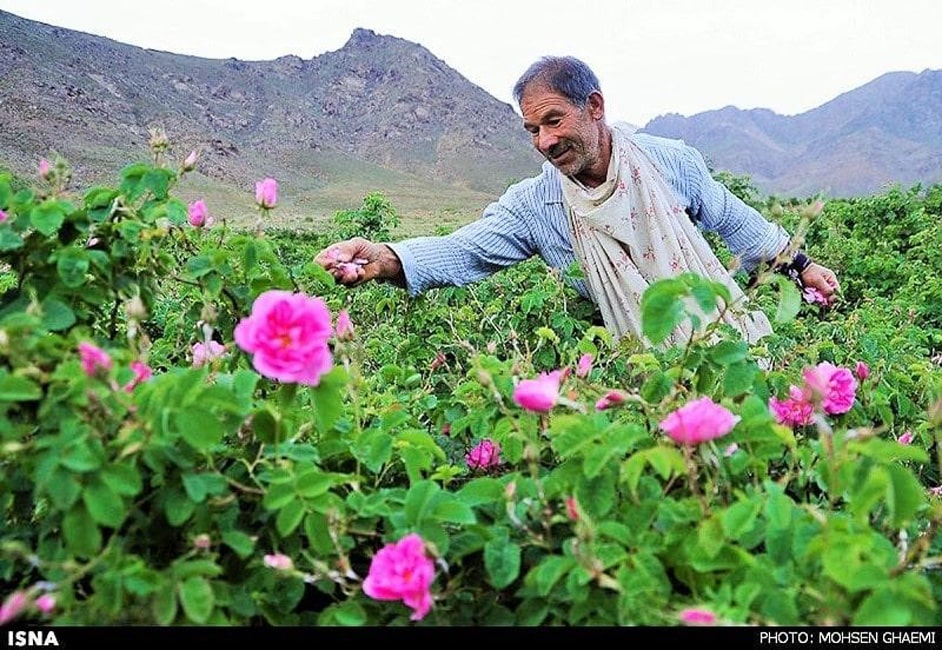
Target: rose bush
pixel 293 452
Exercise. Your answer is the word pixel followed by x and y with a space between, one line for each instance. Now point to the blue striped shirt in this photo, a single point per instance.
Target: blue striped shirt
pixel 530 219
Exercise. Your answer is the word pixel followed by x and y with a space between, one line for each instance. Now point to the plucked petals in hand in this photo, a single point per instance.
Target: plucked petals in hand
pixel 699 421
pixel 402 571
pixel 287 335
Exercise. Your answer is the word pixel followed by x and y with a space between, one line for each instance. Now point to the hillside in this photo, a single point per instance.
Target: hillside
pixel 384 114
pixel 884 132
pixel 380 114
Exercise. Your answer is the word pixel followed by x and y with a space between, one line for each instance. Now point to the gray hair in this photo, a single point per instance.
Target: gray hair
pixel 565 75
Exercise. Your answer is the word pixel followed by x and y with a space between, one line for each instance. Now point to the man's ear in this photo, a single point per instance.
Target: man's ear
pixel 595 104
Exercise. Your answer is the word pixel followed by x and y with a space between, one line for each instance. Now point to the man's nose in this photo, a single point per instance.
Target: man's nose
pixel 546 140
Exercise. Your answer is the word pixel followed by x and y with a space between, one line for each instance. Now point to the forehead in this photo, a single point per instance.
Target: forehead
pixel 539 101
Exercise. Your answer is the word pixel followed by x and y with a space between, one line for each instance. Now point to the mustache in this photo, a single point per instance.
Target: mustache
pixel 557 149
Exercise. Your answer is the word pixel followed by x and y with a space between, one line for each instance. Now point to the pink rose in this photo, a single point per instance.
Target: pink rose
pixel 540 394
pixel 584 366
pixel 13 606
pixel 266 193
pixel 44 168
pixel 204 353
pixel 862 371
pixel 485 454
pixel 796 411
pixel 199 214
pixel 697 616
pixel 287 335
pixel 278 561
pixel 835 387
pixel 93 358
pixel 610 399
pixel 344 326
pixel 906 438
pixel 699 421
pixel 572 509
pixel 402 571
pixel 190 161
pixel 46 603
pixel 142 373
pixel 3 216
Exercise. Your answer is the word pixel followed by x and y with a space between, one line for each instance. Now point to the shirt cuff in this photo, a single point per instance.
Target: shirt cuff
pixel 408 262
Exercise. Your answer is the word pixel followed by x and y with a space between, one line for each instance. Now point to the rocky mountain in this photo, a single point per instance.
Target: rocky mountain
pixel 885 132
pixel 380 114
pixel 384 114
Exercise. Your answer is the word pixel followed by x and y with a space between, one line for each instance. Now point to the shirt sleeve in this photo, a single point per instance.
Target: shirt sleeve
pixel 500 238
pixel 749 235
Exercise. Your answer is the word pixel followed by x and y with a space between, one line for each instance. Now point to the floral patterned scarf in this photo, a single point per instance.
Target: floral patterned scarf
pixel 631 231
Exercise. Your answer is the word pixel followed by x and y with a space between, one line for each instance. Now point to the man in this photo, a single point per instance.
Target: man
pixel 613 200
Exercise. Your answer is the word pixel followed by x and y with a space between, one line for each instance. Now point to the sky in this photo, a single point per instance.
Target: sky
pixel 652 57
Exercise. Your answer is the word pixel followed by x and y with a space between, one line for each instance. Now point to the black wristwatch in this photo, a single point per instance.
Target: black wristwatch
pixel 793 269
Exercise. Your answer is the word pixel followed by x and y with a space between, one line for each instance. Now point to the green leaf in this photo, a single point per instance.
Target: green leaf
pixel 157 180
pixel 740 518
pixel 9 240
pixel 265 426
pixel 278 495
pixel 549 571
pixel 201 429
pixel 198 486
pixel 374 449
pixel 18 389
pixel 883 608
pixel 905 495
pixel 418 501
pixel 79 457
pixel 481 490
pixel 502 562
pixel 666 460
pixel 313 483
pixel 789 300
pixel 889 450
pixel 348 613
pixel 57 316
pixel 81 533
pixel 455 512
pixel 328 398
pixel 48 216
pixel 165 604
pixel 242 544
pixel 63 489
pixel 290 517
pixel 739 378
pixel 710 537
pixel 662 309
pixel 196 596
pixel 72 265
pixel 105 507
pixel 726 353
pixel 178 507
pixel 123 479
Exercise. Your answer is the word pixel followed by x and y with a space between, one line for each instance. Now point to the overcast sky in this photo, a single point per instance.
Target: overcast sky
pixel 652 56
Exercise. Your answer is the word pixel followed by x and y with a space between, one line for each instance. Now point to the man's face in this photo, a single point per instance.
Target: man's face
pixel 567 136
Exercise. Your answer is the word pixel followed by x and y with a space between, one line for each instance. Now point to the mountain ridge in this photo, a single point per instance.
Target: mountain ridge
pixel 384 114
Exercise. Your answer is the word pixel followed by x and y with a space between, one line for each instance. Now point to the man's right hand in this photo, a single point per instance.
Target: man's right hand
pixel 358 260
